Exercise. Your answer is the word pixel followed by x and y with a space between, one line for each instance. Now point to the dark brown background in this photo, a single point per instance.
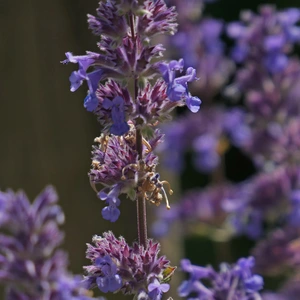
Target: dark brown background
pixel 46 134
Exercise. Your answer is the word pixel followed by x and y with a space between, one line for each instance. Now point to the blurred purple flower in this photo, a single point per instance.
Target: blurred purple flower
pixel 268 78
pixel 231 282
pixel 278 254
pixel 31 268
pixel 257 37
pixel 198 211
pixel 200 45
pixel 207 158
pixel 289 291
pixel 263 198
pixel 208 135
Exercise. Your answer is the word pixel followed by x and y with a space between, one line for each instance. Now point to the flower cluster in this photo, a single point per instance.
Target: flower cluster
pixel 231 282
pixel 131 89
pixel 268 79
pixel 125 54
pixel 267 37
pixel 199 211
pixel 115 165
pixel 279 252
pixel 267 197
pixel 265 133
pixel 289 291
pixel 199 42
pixel 208 136
pixel 129 97
pixel 135 270
pixel 31 267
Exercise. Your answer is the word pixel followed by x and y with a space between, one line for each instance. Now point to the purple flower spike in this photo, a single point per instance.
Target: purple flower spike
pixel 108 21
pixel 207 158
pixel 110 281
pixel 32 268
pixel 156 289
pixel 159 19
pixel 278 252
pixel 120 125
pixel 134 270
pixel 231 282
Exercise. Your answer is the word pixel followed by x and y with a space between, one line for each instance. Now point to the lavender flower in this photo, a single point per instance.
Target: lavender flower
pixel 268 36
pixel 230 283
pixel 286 147
pixel 268 78
pixel 208 136
pixel 156 289
pixel 124 58
pixel 152 105
pixel 199 212
pixel 111 212
pixel 30 266
pixel 159 19
pixel 108 21
pixel 110 281
pixel 199 42
pixel 116 106
pixel 115 165
pixel 267 197
pixel 289 291
pixel 177 87
pixel 132 270
pixel 278 254
pixel 181 135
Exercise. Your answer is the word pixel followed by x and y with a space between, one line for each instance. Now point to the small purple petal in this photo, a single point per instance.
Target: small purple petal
pixel 254 283
pixel 193 103
pixel 110 213
pixel 90 102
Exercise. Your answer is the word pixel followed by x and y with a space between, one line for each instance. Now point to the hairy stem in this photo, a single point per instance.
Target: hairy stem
pixel 140 200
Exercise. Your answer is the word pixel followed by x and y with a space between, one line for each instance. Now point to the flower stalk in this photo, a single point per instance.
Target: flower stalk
pixel 124 162
pixel 141 201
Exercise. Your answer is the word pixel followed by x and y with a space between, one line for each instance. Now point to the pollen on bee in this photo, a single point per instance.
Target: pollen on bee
pixel 96 164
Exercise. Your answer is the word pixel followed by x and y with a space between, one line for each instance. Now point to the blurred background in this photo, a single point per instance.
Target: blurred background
pixel 46 134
